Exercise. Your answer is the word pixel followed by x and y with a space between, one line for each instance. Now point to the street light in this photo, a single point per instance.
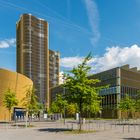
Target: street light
pixel 64 92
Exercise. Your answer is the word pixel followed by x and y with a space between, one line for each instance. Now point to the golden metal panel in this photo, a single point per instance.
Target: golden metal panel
pixel 15 82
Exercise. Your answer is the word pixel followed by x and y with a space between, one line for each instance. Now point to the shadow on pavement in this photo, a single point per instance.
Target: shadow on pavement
pixel 54 130
pixel 131 138
pixel 131 124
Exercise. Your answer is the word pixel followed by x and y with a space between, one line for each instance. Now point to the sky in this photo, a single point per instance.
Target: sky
pixel 109 29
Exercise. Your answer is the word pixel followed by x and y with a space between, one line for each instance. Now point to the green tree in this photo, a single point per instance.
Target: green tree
pixel 54 108
pixel 40 109
pixel 80 88
pixel 71 109
pixel 127 105
pixel 92 106
pixel 137 102
pixel 40 106
pixel 10 101
pixel 30 101
pixel 59 104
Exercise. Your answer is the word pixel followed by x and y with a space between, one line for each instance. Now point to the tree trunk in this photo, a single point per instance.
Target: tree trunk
pixel 9 115
pixel 80 116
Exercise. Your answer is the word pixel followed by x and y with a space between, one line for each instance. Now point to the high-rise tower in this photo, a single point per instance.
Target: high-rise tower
pixel 54 63
pixel 33 54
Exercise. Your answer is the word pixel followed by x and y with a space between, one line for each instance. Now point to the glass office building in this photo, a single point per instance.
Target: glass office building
pixel 121 80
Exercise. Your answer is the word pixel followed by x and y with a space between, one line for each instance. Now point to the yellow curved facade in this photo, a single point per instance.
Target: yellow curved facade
pixel 15 82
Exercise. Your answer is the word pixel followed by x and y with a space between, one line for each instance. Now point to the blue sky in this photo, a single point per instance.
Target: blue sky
pixel 110 29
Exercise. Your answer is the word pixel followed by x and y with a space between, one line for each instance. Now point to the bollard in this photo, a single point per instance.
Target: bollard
pixel 92 125
pixel 115 124
pixel 134 125
pixel 99 125
pixel 104 126
pixel 111 125
pixel 72 126
pixel 139 127
pixel 128 127
pixel 89 127
pixel 123 128
pixel 26 121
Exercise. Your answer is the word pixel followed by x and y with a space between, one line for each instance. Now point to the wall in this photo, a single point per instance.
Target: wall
pixel 15 82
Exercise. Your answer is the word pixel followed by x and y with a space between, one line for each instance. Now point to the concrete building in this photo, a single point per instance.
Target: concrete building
pixel 34 57
pixel 17 83
pixel 121 80
pixel 54 65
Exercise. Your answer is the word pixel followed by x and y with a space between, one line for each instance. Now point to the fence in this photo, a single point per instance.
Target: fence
pixel 120 126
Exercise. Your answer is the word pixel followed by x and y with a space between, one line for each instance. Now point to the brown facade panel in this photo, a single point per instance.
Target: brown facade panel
pixel 33 54
pixel 17 83
pixel 128 74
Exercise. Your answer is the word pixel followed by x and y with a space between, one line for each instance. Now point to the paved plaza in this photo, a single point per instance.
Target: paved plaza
pixel 54 131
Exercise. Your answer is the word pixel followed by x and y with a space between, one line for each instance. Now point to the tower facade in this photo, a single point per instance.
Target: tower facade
pixel 54 58
pixel 33 53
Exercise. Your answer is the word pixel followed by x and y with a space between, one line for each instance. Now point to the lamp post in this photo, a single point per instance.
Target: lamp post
pixel 64 92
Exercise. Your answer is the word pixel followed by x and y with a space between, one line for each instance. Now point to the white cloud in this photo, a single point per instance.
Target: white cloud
pixel 117 56
pixel 7 43
pixel 69 62
pixel 113 57
pixel 93 16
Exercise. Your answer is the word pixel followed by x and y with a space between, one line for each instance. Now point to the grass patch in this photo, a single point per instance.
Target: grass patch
pixel 22 125
pixel 80 132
